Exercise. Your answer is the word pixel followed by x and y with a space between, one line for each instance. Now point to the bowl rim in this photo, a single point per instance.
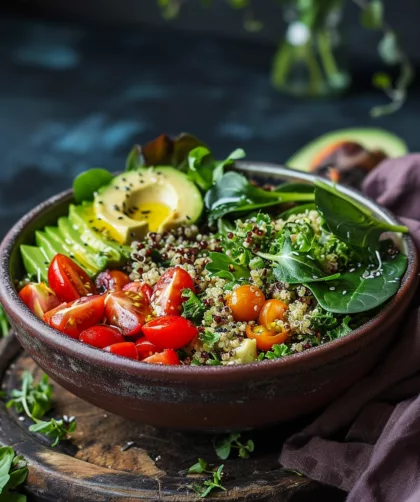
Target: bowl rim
pixel 15 307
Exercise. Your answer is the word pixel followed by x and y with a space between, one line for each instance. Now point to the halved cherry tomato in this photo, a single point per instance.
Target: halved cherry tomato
pixel 124 349
pixel 170 332
pixel 145 348
pixel 39 298
pixel 271 311
pixel 127 310
pixel 68 281
pixel 167 296
pixel 141 287
pixel 101 336
pixel 246 302
pixel 111 280
pixel 167 357
pixel 265 338
pixel 74 317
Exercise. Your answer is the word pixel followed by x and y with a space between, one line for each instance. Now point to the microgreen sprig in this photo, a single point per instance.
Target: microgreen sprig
pixel 203 489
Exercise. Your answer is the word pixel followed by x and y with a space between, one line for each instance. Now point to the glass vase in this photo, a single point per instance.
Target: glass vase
pixel 310 60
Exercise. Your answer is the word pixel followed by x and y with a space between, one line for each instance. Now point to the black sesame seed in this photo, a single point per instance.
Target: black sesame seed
pixel 120 217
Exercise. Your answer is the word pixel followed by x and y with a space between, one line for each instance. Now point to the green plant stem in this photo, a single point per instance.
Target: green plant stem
pixel 316 77
pixel 326 53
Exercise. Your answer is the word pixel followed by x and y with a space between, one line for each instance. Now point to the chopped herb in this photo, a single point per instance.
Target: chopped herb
pixel 224 444
pixel 276 352
pixel 203 489
pixel 209 338
pixel 193 308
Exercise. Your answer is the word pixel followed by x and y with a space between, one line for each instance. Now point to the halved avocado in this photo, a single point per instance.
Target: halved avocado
pixel 370 138
pixel 147 200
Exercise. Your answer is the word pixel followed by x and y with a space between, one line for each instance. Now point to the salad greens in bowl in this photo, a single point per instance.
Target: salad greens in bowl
pixel 182 291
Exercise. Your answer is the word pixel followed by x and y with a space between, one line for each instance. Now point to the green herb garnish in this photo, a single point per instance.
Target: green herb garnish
pixel 13 473
pixel 35 401
pixel 193 308
pixel 203 489
pixel 224 444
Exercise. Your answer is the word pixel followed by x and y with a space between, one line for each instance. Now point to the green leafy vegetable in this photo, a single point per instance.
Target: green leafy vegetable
pixel 13 473
pixel 297 210
pixel 162 151
pixel 34 400
pixel 233 193
pixel 204 171
pixel 203 489
pixel 360 289
pixel 350 221
pixel 209 339
pixel 86 184
pixel 193 308
pixel 277 351
pixel 224 444
pixel 4 322
pixel 54 429
pixel 296 187
pixel 342 330
pixel 223 266
pixel 293 267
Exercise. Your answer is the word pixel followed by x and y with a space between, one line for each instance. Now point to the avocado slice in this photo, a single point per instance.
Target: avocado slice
pixel 57 239
pixel 80 217
pixel 35 262
pixel 370 138
pixel 48 247
pixel 154 199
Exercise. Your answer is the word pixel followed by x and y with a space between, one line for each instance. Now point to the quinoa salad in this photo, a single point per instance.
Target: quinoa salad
pixel 185 261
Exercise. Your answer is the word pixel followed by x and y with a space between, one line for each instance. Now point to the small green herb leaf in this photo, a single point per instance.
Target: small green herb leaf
pixel 86 184
pixel 360 289
pixel 224 444
pixel 276 352
pixel 223 266
pixel 54 429
pixel 34 400
pixel 198 468
pixel 342 330
pixel 209 339
pixel 193 308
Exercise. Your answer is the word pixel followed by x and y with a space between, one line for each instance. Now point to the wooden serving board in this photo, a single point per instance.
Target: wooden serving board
pixel 91 467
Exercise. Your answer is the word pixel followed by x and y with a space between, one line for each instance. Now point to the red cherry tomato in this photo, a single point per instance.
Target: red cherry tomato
pixel 101 336
pixel 39 298
pixel 141 287
pixel 145 349
pixel 74 317
pixel 170 332
pixel 127 310
pixel 124 349
pixel 167 296
pixel 167 357
pixel 111 280
pixel 68 281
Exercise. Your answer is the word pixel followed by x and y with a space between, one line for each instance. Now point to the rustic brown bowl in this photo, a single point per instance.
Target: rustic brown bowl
pixel 201 398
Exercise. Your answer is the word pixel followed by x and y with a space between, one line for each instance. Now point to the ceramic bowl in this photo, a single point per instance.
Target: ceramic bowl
pixel 201 398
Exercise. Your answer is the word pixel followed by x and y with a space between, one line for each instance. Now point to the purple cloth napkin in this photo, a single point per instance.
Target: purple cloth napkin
pixel 367 442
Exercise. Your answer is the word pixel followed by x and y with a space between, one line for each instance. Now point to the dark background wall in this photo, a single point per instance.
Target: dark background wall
pixel 404 15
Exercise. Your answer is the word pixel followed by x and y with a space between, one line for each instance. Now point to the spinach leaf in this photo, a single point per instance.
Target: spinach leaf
pixel 342 330
pixel 350 221
pixel 233 193
pixel 223 266
pixel 193 308
pixel 293 267
pixel 359 290
pixel 204 171
pixel 296 187
pixel 297 210
pixel 86 184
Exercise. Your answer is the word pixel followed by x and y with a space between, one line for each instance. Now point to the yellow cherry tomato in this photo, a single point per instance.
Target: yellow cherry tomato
pixel 271 311
pixel 265 338
pixel 246 302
